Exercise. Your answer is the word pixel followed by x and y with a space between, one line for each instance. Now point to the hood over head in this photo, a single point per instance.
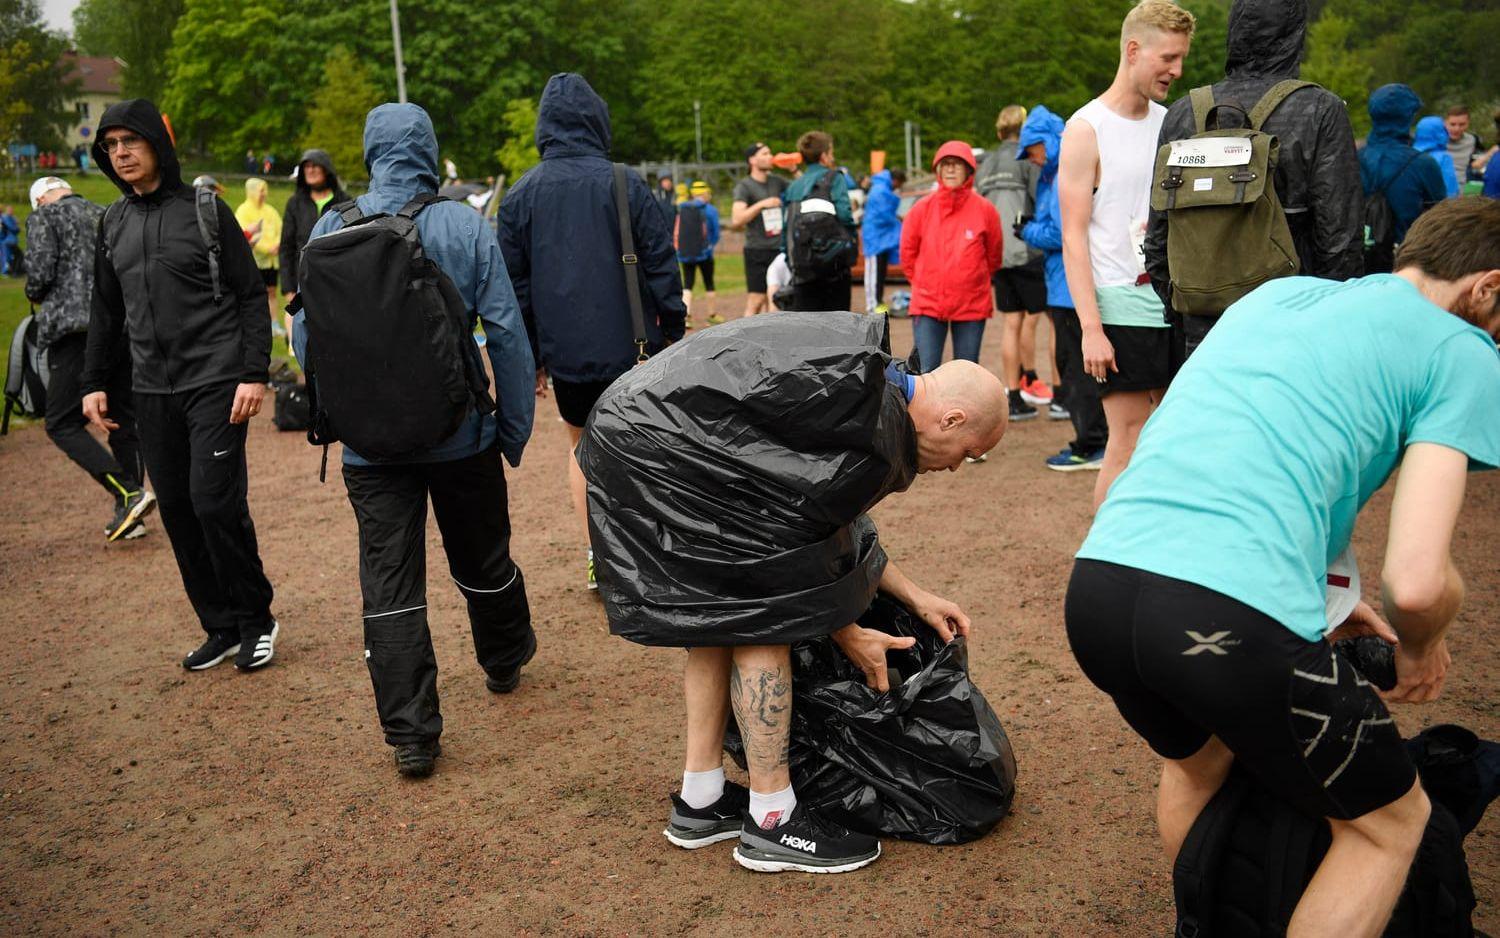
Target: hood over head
pixel 401 153
pixel 1392 109
pixel 255 189
pixel 1431 134
pixel 959 149
pixel 1044 127
pixel 319 158
pixel 1265 38
pixel 571 120
pixel 882 180
pixel 141 116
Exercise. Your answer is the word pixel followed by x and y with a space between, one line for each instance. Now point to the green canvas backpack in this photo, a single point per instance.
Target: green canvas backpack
pixel 1227 233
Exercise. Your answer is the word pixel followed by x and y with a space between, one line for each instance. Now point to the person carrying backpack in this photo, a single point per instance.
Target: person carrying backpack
pixel 461 474
pixel 696 230
pixel 819 235
pixel 560 231
pixel 1316 178
pixel 62 235
pixel 1199 600
pixel 173 274
pixel 1401 181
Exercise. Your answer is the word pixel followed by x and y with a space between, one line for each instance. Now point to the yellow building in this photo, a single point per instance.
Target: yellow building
pixel 98 87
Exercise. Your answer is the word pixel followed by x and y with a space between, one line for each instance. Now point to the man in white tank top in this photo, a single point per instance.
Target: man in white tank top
pixel 1104 193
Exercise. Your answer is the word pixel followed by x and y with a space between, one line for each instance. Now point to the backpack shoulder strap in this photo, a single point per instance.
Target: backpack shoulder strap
pixel 1272 99
pixel 206 204
pixel 1203 104
pixel 419 202
pixel 1398 173
pixel 348 211
pixel 629 259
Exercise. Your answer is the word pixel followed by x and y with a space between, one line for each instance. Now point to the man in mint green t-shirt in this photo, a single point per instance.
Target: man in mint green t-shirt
pixel 1197 601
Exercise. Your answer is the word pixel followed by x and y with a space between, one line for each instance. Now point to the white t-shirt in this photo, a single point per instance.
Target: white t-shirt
pixel 1127 159
pixel 778 275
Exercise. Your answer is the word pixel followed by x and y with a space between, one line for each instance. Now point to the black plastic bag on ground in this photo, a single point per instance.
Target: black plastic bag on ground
pixel 926 761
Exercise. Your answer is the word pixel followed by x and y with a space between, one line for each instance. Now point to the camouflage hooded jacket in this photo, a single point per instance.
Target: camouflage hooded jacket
pixel 60 244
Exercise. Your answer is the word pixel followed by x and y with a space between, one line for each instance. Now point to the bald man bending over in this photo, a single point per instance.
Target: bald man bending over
pixel 728 484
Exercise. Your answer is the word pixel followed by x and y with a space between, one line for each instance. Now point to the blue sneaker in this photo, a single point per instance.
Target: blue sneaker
pixel 1069 461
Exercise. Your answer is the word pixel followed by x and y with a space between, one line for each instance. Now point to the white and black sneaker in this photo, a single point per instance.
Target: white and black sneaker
pixel 805 842
pixel 257 653
pixel 691 828
pixel 129 510
pixel 219 645
pixel 131 533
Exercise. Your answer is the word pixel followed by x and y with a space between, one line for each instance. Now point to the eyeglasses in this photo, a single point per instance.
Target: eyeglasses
pixel 128 141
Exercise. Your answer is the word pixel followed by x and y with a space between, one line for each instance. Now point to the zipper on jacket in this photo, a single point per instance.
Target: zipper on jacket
pixel 150 306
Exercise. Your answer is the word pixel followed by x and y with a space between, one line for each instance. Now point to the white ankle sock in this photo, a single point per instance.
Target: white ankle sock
pixel 771 811
pixel 701 789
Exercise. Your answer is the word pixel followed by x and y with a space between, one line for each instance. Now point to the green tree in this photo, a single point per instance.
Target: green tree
pixel 518 153
pixel 336 121
pixel 137 32
pixel 1333 62
pixel 33 86
pixel 240 76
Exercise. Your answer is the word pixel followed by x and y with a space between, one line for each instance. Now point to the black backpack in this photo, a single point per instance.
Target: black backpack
pixel 391 365
pixel 26 377
pixel 691 230
pixel 1380 225
pixel 819 247
pixel 1249 856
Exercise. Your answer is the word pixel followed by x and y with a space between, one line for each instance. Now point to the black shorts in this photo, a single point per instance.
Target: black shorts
pixel 1144 356
pixel 1020 289
pixel 268 276
pixel 1184 663
pixel 576 399
pixel 757 262
pixel 690 268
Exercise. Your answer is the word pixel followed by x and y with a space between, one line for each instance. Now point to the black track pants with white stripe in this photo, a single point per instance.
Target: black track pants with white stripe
pixel 469 501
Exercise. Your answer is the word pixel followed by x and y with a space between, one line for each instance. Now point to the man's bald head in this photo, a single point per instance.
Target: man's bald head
pixel 960 410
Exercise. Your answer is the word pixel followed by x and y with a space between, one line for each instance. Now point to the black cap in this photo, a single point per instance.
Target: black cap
pixel 753 149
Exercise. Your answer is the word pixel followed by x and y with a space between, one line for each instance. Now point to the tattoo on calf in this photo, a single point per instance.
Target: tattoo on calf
pixel 762 700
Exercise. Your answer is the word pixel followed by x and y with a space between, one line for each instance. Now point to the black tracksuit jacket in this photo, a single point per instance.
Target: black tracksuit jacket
pixel 152 281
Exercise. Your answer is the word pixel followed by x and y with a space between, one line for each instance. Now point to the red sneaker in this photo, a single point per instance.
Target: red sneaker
pixel 1035 392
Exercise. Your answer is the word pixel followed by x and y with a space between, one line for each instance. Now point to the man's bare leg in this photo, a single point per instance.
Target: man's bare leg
pixel 687 304
pixel 755 304
pixel 1028 341
pixel 705 686
pixel 1125 412
pixel 1356 886
pixel 577 485
pixel 1010 350
pixel 1186 786
pixel 760 688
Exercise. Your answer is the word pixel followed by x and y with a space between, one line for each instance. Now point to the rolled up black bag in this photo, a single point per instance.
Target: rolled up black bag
pixel 926 761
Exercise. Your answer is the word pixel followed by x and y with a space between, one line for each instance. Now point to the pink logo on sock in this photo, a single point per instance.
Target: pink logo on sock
pixel 772 821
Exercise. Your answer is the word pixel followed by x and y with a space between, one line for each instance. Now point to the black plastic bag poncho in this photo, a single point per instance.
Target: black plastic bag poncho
pixel 925 761
pixel 729 476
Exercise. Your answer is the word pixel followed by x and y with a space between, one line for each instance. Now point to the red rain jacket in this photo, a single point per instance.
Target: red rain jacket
pixel 950 245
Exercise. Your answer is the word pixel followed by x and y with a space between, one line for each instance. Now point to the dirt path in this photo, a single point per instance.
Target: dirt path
pixel 137 798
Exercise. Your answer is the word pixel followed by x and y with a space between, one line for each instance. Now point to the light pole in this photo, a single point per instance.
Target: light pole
pixel 697 125
pixel 396 41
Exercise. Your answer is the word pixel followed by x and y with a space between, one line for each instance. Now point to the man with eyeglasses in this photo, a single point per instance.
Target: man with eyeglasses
pixel 172 273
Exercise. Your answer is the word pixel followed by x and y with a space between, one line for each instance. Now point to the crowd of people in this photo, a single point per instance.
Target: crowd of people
pixel 1220 504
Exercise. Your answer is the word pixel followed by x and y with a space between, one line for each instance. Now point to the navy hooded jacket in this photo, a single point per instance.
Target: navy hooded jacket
pixel 401 153
pixel 1044 232
pixel 560 234
pixel 1412 180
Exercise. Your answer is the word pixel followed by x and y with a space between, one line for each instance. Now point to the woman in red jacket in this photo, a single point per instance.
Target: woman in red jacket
pixel 950 245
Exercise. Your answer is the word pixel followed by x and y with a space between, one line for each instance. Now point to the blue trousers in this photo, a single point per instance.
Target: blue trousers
pixel 930 334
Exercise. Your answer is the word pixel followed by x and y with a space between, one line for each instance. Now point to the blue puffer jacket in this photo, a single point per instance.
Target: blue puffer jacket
pixel 1388 148
pixel 560 234
pixel 401 152
pixel 1044 232
pixel 882 228
pixel 1432 137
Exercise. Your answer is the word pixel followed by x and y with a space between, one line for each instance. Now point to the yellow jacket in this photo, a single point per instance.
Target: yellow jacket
pixel 267 243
